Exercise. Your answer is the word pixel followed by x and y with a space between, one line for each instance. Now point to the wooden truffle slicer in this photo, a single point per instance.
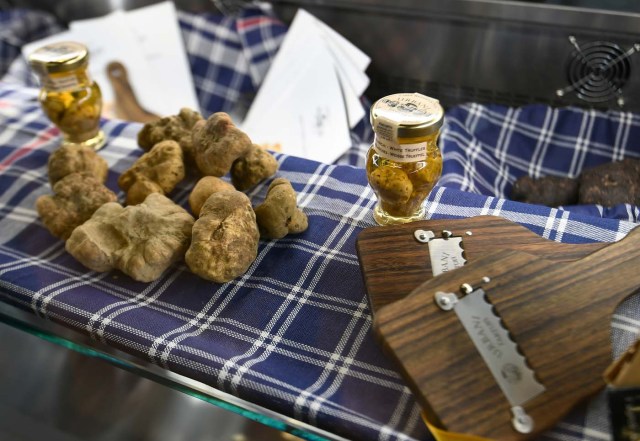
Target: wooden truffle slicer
pixel 397 259
pixel 127 105
pixel 506 345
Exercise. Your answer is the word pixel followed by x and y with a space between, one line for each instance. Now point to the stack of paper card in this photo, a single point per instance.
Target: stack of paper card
pixel 310 97
pixel 148 42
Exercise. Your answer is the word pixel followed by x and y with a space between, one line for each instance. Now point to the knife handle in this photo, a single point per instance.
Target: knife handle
pixel 618 262
pixel 127 105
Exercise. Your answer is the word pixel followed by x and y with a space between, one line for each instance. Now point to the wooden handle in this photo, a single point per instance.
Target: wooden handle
pixel 559 313
pixel 127 105
pixel 393 263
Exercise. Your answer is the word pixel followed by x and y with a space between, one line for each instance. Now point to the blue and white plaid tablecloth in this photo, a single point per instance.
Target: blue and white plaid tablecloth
pixel 294 333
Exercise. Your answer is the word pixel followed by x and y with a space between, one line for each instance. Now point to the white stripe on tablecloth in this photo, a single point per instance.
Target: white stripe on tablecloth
pixel 622 135
pixel 498 208
pixel 29 175
pixel 585 431
pixel 285 288
pixel 534 167
pixel 582 143
pixel 631 320
pixel 549 225
pixel 486 206
pixel 471 180
pixel 431 206
pixel 561 225
pixel 180 332
pixel 506 130
pixel 501 152
pixel 473 116
pixel 405 399
pixel 627 328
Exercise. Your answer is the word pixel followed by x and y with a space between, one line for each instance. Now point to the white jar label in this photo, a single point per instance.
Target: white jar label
pixel 60 83
pixel 401 152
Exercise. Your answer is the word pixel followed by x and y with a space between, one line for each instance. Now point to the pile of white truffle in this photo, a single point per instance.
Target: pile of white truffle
pixel 152 232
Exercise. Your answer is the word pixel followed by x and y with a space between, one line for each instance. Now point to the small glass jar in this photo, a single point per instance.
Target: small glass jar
pixel 404 162
pixel 68 95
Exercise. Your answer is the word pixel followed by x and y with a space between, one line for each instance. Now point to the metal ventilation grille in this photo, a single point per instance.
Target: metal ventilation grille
pixel 598 71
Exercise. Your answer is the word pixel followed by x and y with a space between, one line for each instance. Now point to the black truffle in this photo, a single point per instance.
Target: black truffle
pixel 611 184
pixel 551 191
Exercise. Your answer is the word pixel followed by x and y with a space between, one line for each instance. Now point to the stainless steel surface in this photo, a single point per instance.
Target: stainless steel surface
pixel 113 395
pixel 52 393
pixel 476 50
pixel 499 352
pixel 521 421
pixel 423 236
pixel 445 300
pixel 446 254
pixel 511 12
pixel 69 10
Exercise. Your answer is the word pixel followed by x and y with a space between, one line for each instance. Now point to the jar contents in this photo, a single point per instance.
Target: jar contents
pixel 404 163
pixel 68 95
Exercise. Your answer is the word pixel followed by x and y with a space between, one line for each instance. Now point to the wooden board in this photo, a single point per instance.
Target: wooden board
pixel 559 313
pixel 394 263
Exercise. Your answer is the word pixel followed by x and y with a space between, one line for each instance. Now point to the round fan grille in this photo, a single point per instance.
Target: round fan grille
pixel 598 71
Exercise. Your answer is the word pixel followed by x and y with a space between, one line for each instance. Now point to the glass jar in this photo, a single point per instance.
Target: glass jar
pixel 68 95
pixel 404 162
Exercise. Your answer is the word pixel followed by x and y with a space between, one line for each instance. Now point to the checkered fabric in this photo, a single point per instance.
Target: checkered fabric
pixel 486 148
pixel 230 56
pixel 294 333
pixel 20 26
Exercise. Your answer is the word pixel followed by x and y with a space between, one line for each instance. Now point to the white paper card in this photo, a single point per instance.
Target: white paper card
pixel 313 128
pixel 311 94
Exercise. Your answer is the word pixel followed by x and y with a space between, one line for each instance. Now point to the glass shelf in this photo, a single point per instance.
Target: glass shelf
pixel 67 338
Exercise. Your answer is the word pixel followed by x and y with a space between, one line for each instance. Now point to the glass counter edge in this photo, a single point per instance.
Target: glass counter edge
pixel 62 336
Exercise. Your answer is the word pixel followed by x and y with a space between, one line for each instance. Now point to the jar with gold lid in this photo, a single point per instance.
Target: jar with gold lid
pixel 68 95
pixel 404 162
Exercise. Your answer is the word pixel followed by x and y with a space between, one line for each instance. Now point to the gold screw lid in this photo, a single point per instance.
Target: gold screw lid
pixel 59 57
pixel 409 115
